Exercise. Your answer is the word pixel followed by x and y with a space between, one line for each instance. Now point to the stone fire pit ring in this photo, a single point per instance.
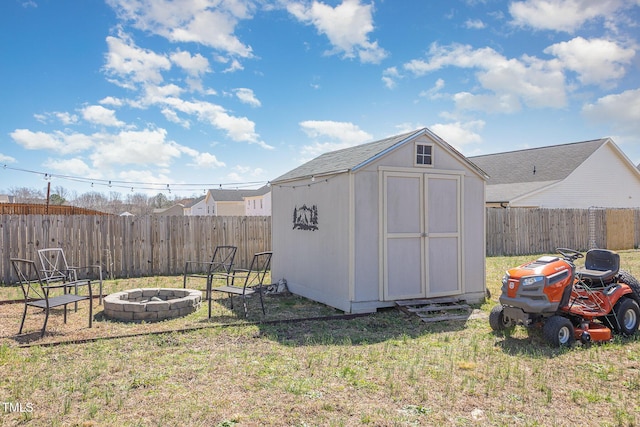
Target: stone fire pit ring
pixel 151 304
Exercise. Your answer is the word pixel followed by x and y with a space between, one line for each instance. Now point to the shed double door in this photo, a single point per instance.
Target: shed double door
pixel 421 233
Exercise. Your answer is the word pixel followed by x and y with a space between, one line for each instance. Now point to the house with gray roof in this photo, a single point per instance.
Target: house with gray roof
pixel 401 218
pixel 578 175
pixel 196 207
pixel 233 202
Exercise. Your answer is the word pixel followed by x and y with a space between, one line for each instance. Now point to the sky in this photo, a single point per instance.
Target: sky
pixel 186 95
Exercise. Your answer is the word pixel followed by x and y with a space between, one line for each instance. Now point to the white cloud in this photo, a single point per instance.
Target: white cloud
pixel 247 96
pixel 66 118
pixel 130 65
pixel 489 103
pixel 347 26
pixel 533 81
pixel 173 117
pixel 207 161
pixel 146 176
pixel 459 134
pixel 346 133
pixel 57 141
pixel 6 159
pixel 407 127
pixel 78 166
pixel 562 15
pixel 332 136
pixel 97 114
pixel 434 92
pixel 234 66
pixel 154 95
pixel 113 101
pixel 63 117
pixel 621 111
pixel 195 65
pixel 211 23
pixel 390 76
pixel 597 61
pixel 237 128
pixel 242 173
pixel 474 24
pixel 134 147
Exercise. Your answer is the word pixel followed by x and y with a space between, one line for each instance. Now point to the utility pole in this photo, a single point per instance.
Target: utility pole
pixel 46 209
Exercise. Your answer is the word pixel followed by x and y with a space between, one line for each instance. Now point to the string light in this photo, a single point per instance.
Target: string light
pixel 143 186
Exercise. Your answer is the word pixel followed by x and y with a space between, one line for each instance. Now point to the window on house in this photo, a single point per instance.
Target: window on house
pixel 424 154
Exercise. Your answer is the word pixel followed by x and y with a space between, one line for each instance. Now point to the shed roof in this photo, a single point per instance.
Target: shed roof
pixel 353 158
pixel 515 173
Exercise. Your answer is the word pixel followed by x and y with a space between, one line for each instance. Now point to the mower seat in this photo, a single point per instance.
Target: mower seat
pixel 600 267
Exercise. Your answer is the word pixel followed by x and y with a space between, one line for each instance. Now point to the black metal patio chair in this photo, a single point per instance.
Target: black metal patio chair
pixel 40 294
pixel 56 269
pixel 246 282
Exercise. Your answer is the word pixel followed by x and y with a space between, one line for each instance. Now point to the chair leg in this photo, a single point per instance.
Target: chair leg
pixel 208 295
pixel 46 319
pixel 24 315
pixel 244 304
pixel 262 301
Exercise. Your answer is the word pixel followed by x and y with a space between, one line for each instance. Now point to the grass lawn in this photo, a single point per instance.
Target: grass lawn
pixel 384 369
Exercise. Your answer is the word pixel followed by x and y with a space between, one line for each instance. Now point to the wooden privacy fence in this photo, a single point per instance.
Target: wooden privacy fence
pixel 42 209
pixel 520 231
pixel 131 246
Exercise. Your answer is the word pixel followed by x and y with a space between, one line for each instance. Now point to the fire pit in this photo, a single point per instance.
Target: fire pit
pixel 151 304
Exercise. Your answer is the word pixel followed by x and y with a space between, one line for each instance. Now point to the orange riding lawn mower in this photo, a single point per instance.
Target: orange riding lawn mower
pixel 571 303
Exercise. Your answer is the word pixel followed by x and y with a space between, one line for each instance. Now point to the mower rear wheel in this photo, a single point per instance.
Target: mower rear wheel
pixel 628 314
pixel 497 320
pixel 626 277
pixel 558 331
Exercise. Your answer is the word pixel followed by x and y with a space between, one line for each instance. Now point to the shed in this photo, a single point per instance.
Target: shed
pixel 397 219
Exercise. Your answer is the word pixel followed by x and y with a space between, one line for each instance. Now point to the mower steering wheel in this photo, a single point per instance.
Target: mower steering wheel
pixel 569 254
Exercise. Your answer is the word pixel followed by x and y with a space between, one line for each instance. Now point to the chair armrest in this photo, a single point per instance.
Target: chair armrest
pixel 77 283
pixel 86 267
pixel 201 263
pixel 240 270
pixel 212 266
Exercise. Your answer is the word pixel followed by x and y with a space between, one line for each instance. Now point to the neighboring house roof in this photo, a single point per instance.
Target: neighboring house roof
pixel 353 158
pixel 194 202
pixel 516 173
pixel 225 195
pixel 178 207
pixel 5 198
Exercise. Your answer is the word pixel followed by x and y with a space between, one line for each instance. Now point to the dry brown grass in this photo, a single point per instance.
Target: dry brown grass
pixel 386 369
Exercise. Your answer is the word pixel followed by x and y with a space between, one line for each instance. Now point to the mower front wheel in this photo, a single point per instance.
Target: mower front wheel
pixel 628 315
pixel 558 331
pixel 497 320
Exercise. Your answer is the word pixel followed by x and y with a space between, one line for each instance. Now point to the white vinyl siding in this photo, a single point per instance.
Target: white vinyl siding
pixel 603 180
